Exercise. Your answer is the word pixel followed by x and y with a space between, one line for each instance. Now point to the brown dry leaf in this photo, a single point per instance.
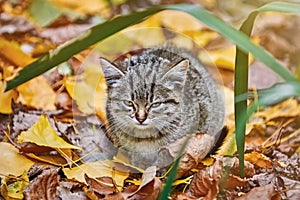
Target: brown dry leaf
pixel 205 182
pixel 28 147
pixel 53 159
pixel 71 189
pixel 12 187
pixel 235 181
pixel 258 159
pixel 221 176
pixel 11 161
pixel 268 192
pixel 69 155
pixel 44 186
pixel 198 147
pixel 149 189
pixel 106 168
pixel 102 187
pixel 43 134
pixel 37 93
pixel 183 196
pixel 89 90
pixel 288 108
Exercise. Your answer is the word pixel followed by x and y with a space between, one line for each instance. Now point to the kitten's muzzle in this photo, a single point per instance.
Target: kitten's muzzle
pixel 141 116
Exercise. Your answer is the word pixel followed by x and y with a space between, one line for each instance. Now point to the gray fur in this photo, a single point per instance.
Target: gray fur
pixel 166 88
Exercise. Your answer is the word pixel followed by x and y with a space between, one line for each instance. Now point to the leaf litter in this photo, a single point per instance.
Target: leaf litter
pixel 272 153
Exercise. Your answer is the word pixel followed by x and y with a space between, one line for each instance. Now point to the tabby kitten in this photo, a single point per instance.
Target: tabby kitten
pixel 157 97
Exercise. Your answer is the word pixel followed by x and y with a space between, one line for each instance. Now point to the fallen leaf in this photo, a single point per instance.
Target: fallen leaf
pixel 88 7
pixel 6 100
pixel 205 182
pixel 88 90
pixel 288 108
pixel 28 147
pixel 12 52
pixel 51 158
pixel 47 12
pixel 68 155
pixel 201 38
pixel 37 93
pixel 71 189
pixel 106 168
pixel 101 185
pixel 102 188
pixel 44 186
pixel 197 148
pixel 43 134
pixel 258 159
pixel 12 163
pixel 146 34
pixel 12 187
pixel 149 189
pixel 235 181
pixel 268 192
pixel 177 20
pixel 183 196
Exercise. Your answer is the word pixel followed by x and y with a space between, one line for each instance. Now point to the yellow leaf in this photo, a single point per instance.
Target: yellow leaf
pixel 201 38
pixel 88 90
pixel 148 33
pixel 12 52
pixel 105 168
pixel 224 58
pixel 179 21
pixel 88 7
pixel 42 133
pixel 258 159
pixel 37 93
pixel 5 101
pixel 12 187
pixel 288 108
pixel 11 161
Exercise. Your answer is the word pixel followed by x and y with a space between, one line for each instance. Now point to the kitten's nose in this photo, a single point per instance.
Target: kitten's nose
pixel 141 116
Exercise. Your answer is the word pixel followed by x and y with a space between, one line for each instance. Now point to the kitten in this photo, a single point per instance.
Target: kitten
pixel 157 97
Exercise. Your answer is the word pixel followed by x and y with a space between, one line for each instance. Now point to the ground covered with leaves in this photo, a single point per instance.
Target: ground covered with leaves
pixel 52 127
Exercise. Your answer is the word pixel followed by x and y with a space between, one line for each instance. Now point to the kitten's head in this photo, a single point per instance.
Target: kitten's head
pixel 145 100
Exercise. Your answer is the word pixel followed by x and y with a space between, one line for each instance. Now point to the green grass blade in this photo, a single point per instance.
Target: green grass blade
pixel 72 47
pixel 104 30
pixel 241 75
pixel 172 175
pixel 278 93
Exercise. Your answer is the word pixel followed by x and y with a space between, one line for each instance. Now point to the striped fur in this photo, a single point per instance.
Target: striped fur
pixel 161 95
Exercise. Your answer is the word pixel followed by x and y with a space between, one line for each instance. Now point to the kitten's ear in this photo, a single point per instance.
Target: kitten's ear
pixel 176 76
pixel 111 72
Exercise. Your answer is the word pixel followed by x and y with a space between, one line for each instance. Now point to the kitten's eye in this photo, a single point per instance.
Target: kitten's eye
pixel 156 104
pixel 128 103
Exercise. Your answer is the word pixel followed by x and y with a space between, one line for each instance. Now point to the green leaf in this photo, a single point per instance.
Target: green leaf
pixel 278 93
pixel 172 175
pixel 241 74
pixel 104 30
pixel 43 12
